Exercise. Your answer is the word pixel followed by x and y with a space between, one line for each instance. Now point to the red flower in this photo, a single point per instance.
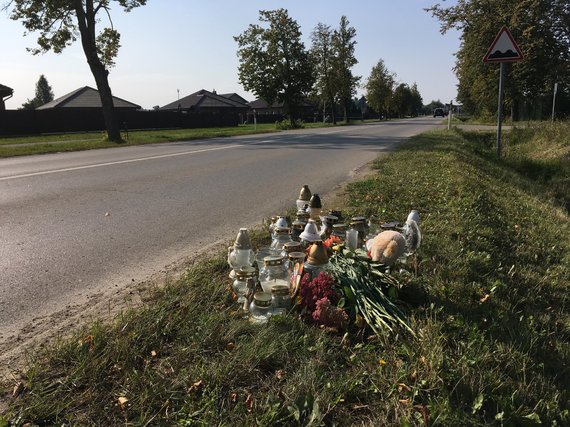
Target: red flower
pixel 329 315
pixel 320 287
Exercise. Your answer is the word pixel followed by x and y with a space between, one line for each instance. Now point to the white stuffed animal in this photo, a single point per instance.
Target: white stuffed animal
pixel 387 247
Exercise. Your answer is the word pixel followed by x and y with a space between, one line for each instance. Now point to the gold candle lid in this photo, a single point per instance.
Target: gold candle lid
pixel 262 299
pixel 305 193
pixel 281 290
pixel 242 240
pixel 245 272
pixel 292 246
pixel 273 260
pixel 318 254
pixel 315 202
pixel 296 256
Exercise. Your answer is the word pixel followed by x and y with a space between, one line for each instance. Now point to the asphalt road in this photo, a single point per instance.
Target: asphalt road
pixel 74 224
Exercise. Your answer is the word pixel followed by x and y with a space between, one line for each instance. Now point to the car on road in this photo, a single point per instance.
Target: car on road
pixel 438 112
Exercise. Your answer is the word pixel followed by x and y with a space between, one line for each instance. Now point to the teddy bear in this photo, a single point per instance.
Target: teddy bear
pixel 387 247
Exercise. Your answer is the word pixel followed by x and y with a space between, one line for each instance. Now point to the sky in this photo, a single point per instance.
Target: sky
pixel 171 47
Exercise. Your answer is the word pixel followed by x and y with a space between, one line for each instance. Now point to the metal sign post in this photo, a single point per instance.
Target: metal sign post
pixel 500 109
pixel 503 49
pixel 554 99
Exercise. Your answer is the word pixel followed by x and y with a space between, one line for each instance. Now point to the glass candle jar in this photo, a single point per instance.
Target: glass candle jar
pixel 280 238
pixel 352 239
pixel 296 229
pixel 280 299
pixel 274 272
pixel 373 227
pixel 291 247
pixel 260 307
pixel 339 230
pixel 240 283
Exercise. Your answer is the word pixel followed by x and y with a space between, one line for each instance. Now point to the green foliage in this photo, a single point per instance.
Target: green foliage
pixel 379 87
pixel 344 82
pixel 273 61
pixel 289 124
pixel 44 94
pixel 322 54
pixel 406 101
pixel 366 289
pixel 541 30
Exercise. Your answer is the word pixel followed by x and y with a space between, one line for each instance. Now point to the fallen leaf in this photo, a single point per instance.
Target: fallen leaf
pixel 403 386
pixel 280 374
pixel 196 387
pixel 230 346
pixel 18 388
pixel 122 401
pixel 249 402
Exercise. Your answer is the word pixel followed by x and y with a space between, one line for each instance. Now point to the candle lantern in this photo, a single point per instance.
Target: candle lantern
pixel 274 272
pixel 304 197
pixel 240 254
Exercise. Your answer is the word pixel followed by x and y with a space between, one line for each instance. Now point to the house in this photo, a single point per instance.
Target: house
pixel 205 101
pixel 5 93
pixel 86 97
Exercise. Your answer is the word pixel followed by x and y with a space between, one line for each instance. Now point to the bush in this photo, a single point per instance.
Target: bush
pixel 289 124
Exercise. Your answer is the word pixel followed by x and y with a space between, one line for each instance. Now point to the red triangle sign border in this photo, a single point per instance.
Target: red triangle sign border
pixel 512 54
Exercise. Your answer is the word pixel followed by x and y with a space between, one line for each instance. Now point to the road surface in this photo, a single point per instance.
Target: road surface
pixel 74 225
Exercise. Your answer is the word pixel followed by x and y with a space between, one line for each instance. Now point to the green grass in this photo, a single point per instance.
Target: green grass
pixel 19 146
pixel 489 307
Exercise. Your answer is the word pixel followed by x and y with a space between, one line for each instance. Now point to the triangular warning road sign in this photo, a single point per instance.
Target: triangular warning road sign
pixel 503 48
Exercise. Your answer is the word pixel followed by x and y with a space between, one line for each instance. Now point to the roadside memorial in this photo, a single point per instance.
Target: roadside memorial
pixel 329 273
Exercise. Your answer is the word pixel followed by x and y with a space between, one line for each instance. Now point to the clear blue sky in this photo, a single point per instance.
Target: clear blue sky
pixel 188 45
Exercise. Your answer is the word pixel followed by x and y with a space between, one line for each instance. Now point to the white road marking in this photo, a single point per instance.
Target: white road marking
pixel 119 162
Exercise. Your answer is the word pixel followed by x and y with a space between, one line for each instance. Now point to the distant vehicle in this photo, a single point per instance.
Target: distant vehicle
pixel 438 112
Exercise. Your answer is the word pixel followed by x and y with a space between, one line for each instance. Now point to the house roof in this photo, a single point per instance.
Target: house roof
pixel 234 97
pixel 203 98
pixel 261 103
pixel 85 97
pixel 5 91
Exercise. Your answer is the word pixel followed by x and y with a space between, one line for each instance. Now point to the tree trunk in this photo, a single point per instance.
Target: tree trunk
pixel 86 22
pixel 111 122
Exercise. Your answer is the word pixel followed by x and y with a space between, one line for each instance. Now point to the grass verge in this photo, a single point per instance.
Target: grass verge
pixel 55 143
pixel 489 305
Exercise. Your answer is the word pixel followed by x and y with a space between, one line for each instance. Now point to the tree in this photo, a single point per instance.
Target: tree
pixel 542 31
pixel 379 88
pixel 61 22
pixel 403 100
pixel 274 63
pixel 322 55
pixel 416 100
pixel 344 82
pixel 44 94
